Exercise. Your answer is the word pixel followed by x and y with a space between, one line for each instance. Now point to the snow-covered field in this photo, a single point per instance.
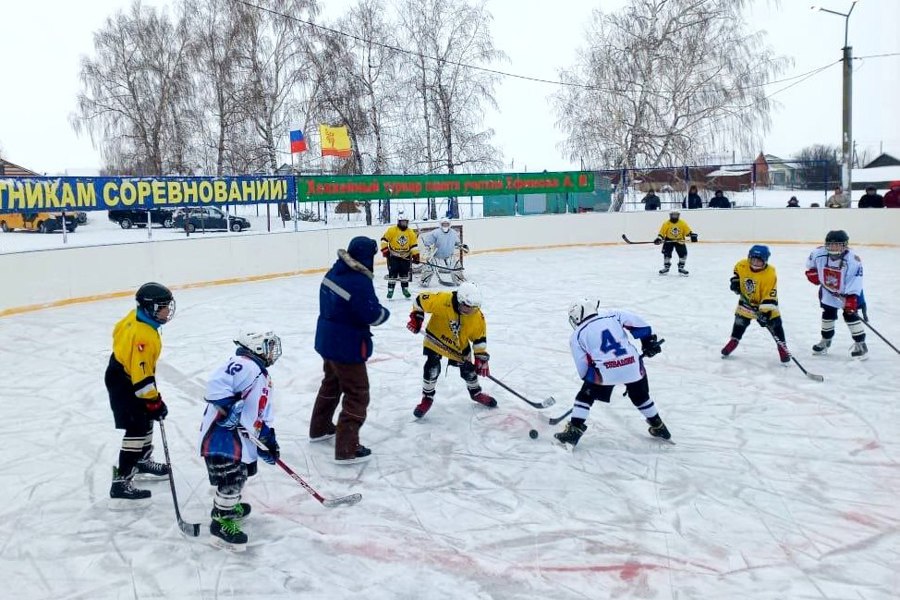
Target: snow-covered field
pixel 778 488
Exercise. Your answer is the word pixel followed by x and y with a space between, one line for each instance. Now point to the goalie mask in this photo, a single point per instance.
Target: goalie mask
pixel 265 345
pixel 156 301
pixel 836 242
pixel 445 225
pixel 580 311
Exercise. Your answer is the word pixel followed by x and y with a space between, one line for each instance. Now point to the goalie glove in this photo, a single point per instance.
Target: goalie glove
pixel 463 247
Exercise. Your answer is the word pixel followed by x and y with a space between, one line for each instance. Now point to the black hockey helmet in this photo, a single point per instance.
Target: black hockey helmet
pixel 836 242
pixel 152 297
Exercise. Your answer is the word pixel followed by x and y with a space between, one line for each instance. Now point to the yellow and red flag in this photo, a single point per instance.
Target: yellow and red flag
pixel 335 141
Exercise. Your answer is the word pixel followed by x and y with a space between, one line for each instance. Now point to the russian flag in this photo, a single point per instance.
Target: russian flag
pixel 298 142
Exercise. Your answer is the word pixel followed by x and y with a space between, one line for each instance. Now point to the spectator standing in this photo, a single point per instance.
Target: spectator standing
pixel 720 200
pixel 838 199
pixel 793 202
pixel 651 201
pixel 871 199
pixel 693 199
pixel 892 198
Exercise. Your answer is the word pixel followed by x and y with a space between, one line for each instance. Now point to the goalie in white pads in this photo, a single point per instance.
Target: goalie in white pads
pixel 238 397
pixel 838 272
pixel 604 357
pixel 441 246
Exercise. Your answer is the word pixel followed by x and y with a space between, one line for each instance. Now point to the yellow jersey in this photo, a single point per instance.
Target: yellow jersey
pixel 758 290
pixel 674 232
pixel 404 243
pixel 452 332
pixel 137 346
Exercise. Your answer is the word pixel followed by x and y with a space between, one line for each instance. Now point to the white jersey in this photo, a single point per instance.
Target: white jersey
pixel 444 243
pixel 240 378
pixel 839 276
pixel 602 350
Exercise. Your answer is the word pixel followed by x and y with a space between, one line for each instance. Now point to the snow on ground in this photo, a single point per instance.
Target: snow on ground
pixel 778 488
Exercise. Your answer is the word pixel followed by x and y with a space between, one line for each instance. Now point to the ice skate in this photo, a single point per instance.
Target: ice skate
pixel 664 270
pixel 150 470
pixel 362 455
pixel 783 354
pixel 821 347
pixel 227 534
pixel 730 347
pixel 390 293
pixel 859 351
pixel 239 512
pixel 122 489
pixel 423 407
pixel 658 429
pixel 484 399
pixel 329 434
pixel 570 435
pixel 406 293
pixel 683 272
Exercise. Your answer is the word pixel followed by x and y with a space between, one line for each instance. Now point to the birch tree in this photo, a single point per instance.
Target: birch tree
pixel 662 82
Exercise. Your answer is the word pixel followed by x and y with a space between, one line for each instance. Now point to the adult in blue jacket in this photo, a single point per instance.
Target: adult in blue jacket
pixel 348 307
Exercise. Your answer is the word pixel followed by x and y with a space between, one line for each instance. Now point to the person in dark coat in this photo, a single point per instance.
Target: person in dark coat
pixel 693 199
pixel 793 202
pixel 348 308
pixel 719 200
pixel 651 200
pixel 871 199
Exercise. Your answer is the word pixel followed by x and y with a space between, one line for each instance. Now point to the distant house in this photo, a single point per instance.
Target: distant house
pixel 883 160
pixel 730 179
pixel 780 172
pixel 8 169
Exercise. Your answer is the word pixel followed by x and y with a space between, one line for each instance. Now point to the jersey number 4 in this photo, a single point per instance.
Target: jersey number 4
pixel 608 343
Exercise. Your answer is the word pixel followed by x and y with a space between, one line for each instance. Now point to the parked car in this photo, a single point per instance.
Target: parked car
pixel 81 217
pixel 208 217
pixel 37 221
pixel 137 217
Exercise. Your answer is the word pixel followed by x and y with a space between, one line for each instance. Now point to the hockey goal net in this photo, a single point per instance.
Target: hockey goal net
pixel 458 253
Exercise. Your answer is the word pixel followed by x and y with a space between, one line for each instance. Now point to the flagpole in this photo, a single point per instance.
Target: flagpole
pixel 294 176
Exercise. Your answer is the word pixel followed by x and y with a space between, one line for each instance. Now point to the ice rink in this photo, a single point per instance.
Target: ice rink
pixel 778 487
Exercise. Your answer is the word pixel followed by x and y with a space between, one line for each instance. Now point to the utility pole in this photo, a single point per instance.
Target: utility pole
pixel 847 121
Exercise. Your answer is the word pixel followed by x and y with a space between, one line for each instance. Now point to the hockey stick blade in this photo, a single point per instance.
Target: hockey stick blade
pixel 189 529
pixel 560 418
pixel 342 501
pixel 815 376
pixel 627 241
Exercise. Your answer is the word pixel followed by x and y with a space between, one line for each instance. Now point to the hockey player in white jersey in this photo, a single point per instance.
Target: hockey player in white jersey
pixel 441 245
pixel 604 357
pixel 838 272
pixel 238 404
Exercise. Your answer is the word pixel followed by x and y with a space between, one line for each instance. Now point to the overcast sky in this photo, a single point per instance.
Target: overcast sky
pixel 42 44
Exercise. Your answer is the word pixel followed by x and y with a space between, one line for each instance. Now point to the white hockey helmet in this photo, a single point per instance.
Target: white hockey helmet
pixel 445 224
pixel 401 216
pixel 264 344
pixel 469 294
pixel 580 311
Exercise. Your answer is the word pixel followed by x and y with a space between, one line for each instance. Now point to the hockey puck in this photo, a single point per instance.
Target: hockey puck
pixel 533 434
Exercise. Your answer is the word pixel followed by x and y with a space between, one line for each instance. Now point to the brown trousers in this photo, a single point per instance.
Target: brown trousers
pixel 352 381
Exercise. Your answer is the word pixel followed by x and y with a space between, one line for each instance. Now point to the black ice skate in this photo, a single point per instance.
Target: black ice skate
pixel 227 534
pixel 683 272
pixel 859 351
pixel 664 270
pixel 423 407
pixel 658 429
pixel 362 455
pixel 571 434
pixel 238 512
pixel 150 470
pixel 821 347
pixel 122 489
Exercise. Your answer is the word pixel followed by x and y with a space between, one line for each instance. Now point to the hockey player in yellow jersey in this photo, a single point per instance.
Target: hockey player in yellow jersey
pixel 673 235
pixel 400 246
pixel 131 384
pixel 456 330
pixel 756 282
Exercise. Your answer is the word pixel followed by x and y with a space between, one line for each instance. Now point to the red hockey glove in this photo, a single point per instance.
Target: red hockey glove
pixel 481 365
pixel 415 321
pixel 415 258
pixel 813 276
pixel 851 304
pixel 156 409
pixel 385 251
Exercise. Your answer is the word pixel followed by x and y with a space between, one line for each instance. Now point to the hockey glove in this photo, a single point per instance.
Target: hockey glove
pixel 735 285
pixel 813 276
pixel 385 251
pixel 763 318
pixel 272 451
pixel 851 304
pixel 658 240
pixel 415 321
pixel 650 346
pixel 482 369
pixel 415 258
pixel 233 418
pixel 694 237
pixel 157 409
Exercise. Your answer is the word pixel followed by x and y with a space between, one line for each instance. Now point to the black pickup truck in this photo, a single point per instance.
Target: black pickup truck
pixel 137 217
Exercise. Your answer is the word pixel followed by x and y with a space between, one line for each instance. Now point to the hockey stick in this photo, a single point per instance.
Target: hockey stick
pixel 326 502
pixel 627 241
pixel 443 268
pixel 883 339
pixel 191 529
pixel 560 418
pixel 459 358
pixel 783 345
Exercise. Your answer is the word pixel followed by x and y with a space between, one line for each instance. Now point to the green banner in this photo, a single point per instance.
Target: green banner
pixel 379 187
